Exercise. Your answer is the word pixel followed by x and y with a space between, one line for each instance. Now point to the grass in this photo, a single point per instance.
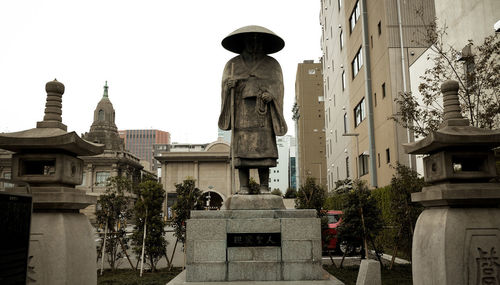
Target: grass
pixel 399 275
pixel 130 277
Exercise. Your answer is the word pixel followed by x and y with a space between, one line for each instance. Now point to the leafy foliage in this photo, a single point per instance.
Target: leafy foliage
pixel 253 186
pixel 311 196
pixel 148 209
pixel 478 77
pixel 359 201
pixel 405 213
pixel 113 211
pixel 188 198
pixel 277 192
pixel 291 193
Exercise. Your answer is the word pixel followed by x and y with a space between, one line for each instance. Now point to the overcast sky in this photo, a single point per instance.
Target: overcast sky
pixel 162 59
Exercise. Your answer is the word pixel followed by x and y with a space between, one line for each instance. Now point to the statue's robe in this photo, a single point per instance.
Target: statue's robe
pixel 256 124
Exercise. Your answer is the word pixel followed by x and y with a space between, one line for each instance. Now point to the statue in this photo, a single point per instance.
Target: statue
pixel 252 102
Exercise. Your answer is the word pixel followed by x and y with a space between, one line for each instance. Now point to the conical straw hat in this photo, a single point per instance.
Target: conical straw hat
pixel 235 41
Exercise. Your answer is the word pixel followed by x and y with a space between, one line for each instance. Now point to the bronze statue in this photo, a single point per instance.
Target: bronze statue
pixel 254 81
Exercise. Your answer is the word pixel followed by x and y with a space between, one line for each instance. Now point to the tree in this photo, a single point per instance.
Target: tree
pixel 188 198
pixel 405 213
pixel 361 219
pixel 113 212
pixel 311 196
pixel 148 209
pixel 478 74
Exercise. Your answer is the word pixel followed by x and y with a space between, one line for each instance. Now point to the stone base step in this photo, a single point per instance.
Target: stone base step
pixel 329 280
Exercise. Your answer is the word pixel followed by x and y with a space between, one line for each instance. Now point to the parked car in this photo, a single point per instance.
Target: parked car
pixel 334 219
pixel 332 242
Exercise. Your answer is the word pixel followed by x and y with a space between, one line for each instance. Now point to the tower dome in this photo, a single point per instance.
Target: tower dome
pixel 103 129
pixel 104 114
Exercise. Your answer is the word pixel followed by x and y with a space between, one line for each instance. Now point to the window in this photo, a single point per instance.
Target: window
pixel 312 71
pixel 353 19
pixel 340 3
pixel 363 164
pixel 388 155
pixel 101 115
pixel 101 178
pixel 359 113
pixel 378 155
pixel 321 98
pixel 357 63
pixel 336 136
pixel 343 80
pixel 375 98
pixel 341 39
pixel 379 27
pixel 383 90
pixel 345 123
pixel 347 167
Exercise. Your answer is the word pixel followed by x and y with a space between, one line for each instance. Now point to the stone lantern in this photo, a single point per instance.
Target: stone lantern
pixel 457 236
pixel 62 248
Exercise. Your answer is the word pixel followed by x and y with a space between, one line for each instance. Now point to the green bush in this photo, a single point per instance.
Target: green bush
pixel 291 193
pixel 277 192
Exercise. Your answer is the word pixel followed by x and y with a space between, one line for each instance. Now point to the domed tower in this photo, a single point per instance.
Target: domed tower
pixel 103 129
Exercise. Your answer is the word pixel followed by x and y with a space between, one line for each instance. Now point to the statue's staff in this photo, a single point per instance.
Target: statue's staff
pixel 233 183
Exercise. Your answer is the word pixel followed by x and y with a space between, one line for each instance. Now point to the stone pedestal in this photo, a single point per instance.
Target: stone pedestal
pixel 61 246
pixel 253 245
pixel 457 246
pixel 254 241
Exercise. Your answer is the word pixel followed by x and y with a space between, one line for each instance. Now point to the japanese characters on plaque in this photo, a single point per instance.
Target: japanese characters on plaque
pixel 253 239
pixel 488 265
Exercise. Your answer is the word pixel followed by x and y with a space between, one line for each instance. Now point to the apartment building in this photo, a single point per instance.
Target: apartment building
pixel 367 48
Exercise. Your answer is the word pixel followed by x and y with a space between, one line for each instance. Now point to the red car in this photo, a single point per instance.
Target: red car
pixel 334 219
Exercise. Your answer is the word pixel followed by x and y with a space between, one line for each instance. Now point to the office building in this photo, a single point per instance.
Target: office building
pixel 308 114
pixel 279 176
pixel 140 143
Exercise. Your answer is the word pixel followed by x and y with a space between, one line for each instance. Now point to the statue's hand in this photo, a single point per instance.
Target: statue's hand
pixel 231 83
pixel 266 97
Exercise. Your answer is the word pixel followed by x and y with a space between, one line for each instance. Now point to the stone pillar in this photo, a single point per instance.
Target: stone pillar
pixel 196 168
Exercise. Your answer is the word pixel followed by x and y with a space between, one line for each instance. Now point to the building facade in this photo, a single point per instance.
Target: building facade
pixel 308 114
pixel 140 143
pixel 279 176
pixel 209 165
pixel 367 48
pixel 115 161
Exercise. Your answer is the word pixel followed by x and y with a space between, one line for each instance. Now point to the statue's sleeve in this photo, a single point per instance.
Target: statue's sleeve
pixel 277 91
pixel 225 110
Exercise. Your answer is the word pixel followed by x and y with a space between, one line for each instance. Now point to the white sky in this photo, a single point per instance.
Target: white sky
pixel 162 59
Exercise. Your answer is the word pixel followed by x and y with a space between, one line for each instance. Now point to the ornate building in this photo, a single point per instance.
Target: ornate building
pixel 115 161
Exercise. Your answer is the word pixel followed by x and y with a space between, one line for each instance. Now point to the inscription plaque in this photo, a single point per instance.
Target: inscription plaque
pixel 253 239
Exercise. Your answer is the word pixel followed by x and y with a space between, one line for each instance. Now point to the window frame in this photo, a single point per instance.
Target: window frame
pixel 363 164
pixel 357 62
pixel 360 110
